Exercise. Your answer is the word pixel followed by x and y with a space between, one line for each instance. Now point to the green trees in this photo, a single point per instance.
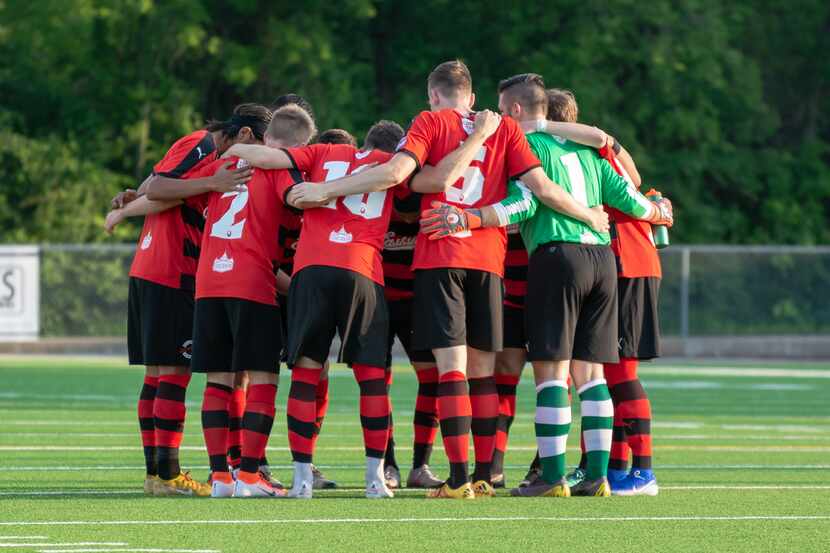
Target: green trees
pixel 724 105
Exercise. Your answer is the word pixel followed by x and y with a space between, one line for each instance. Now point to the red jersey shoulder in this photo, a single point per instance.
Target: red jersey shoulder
pixel 186 154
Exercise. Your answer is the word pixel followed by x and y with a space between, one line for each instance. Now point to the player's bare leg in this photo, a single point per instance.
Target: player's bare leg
pixel 597 421
pixel 455 414
pixel 146 422
pixel 509 365
pixel 484 403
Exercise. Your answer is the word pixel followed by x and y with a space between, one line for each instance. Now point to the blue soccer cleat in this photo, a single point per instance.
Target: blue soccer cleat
pixel 638 482
pixel 616 476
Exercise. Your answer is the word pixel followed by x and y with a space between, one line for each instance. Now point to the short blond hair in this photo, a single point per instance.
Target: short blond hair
pixel 562 105
pixel 291 125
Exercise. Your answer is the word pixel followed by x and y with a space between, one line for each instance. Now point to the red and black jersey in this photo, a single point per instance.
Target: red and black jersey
pixel 399 247
pixel 240 244
pixel 515 269
pixel 347 232
pixel 168 249
pixel 632 240
pixel 289 235
pixel 505 155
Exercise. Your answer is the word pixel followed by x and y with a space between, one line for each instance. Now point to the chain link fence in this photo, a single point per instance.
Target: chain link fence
pixel 707 291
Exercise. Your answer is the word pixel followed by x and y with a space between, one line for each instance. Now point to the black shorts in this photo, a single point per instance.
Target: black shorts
pixel 324 300
pixel 514 327
pixel 159 324
pixel 400 325
pixel 232 335
pixel 639 319
pixel 456 307
pixel 282 301
pixel 571 304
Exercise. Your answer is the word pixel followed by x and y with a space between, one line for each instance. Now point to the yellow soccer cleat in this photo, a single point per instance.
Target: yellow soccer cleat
pixel 540 488
pixel 183 484
pixel 593 488
pixel 150 483
pixel 482 488
pixel 446 492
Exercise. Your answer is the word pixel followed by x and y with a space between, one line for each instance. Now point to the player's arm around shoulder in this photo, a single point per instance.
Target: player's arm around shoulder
pixel 220 176
pixel 618 194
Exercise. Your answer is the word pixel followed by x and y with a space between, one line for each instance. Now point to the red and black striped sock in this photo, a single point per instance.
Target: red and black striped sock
pixel 455 415
pixel 235 412
pixel 635 410
pixel 425 422
pixel 389 457
pixel 215 424
pixel 256 424
pixel 322 405
pixel 374 408
pixel 169 412
pixel 301 413
pixel 147 424
pixel 506 385
pixel 619 446
pixel 484 401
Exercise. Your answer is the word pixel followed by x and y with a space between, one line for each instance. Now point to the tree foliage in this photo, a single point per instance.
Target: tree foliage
pixel 723 105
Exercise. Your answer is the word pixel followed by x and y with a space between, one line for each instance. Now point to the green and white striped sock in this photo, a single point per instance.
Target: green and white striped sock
pixel 597 423
pixel 553 422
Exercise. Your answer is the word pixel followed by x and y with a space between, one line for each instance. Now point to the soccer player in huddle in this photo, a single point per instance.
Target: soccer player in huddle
pixel 571 310
pixel 237 321
pixel 458 281
pixel 337 287
pixel 162 284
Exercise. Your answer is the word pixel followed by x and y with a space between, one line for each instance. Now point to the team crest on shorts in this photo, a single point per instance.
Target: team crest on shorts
pixel 186 349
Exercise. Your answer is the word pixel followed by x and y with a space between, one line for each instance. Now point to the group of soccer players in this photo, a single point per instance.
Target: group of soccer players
pixel 479 240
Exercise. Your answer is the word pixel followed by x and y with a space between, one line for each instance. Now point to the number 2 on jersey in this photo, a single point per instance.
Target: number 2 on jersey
pixel 225 228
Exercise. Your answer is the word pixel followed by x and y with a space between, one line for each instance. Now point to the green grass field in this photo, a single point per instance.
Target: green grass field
pixel 741 452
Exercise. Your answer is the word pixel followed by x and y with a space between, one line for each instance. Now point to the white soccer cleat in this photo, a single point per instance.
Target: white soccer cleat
pixel 303 484
pixel 222 489
pixel 377 489
pixel 260 488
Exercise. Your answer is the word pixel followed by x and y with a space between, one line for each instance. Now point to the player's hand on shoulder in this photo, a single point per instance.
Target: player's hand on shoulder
pixel 229 178
pixel 123 198
pixel 444 220
pixel 486 123
pixel 599 219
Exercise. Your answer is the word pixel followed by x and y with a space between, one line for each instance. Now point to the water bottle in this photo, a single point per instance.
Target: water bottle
pixel 660 232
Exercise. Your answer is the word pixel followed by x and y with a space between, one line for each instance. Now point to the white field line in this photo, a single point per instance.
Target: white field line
pixel 728 448
pixel 63 468
pixel 404 491
pixel 129 550
pixel 69 544
pixel 23 538
pixel 456 520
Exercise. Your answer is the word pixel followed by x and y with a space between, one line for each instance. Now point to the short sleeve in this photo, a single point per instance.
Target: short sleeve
pixel 284 180
pixel 419 138
pixel 305 158
pixel 519 156
pixel 185 155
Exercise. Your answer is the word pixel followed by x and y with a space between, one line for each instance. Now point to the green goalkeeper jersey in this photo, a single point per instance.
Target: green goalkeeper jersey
pixel 585 176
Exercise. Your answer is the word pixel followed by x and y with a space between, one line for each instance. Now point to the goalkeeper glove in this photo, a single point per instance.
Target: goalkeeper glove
pixel 445 220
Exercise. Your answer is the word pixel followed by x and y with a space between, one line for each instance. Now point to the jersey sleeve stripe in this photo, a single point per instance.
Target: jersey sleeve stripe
pixel 526 171
pixel 413 156
pixel 293 161
pixel 193 157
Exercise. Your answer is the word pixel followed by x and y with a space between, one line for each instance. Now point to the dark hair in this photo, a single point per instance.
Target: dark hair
pixel 336 136
pixel 254 116
pixel 384 135
pixel 562 105
pixel 292 98
pixel 527 90
pixel 451 78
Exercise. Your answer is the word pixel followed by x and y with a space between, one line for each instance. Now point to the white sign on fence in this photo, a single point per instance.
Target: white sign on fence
pixel 19 293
